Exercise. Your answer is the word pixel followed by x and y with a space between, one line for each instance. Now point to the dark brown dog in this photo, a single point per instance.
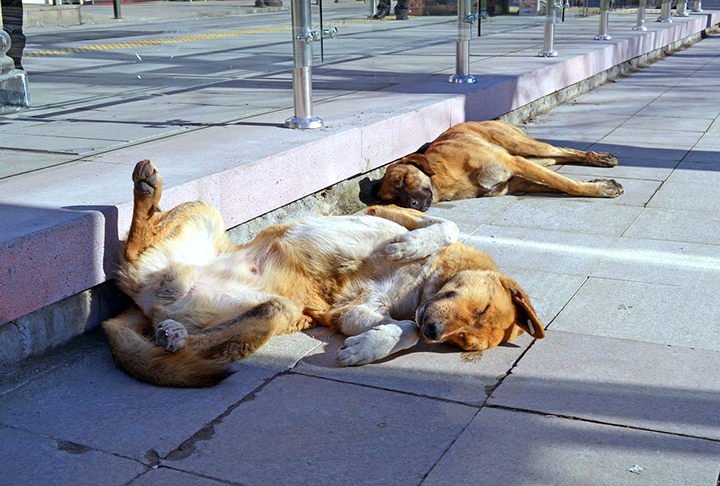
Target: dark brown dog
pixel 490 158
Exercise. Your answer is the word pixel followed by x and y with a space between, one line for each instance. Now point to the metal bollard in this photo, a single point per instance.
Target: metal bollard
pixel 303 37
pixel 604 16
pixel 462 50
pixel 665 16
pixel 641 17
pixel 550 21
pixel 681 10
pixel 697 6
pixel 13 82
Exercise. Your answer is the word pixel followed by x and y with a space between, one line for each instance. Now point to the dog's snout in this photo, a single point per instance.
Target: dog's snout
pixel 433 330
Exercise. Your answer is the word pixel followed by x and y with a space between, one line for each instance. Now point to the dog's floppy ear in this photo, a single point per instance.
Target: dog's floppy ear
pixel 420 161
pixel 526 317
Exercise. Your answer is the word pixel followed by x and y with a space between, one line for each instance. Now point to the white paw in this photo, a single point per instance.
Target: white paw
pixel 369 346
pixel 170 335
pixel 406 246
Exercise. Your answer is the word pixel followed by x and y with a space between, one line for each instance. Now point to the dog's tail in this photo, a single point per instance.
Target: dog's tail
pixel 141 358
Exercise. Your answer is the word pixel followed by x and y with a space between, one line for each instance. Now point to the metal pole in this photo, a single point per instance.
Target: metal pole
pixel 462 51
pixel 641 17
pixel 681 10
pixel 116 9
pixel 550 20
pixel 373 9
pixel 665 16
pixel 604 15
pixel 303 37
pixel 697 6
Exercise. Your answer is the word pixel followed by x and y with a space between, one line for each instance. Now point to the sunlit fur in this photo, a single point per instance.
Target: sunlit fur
pixel 490 158
pixel 202 301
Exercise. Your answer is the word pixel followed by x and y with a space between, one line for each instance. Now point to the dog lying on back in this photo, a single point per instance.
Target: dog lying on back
pixel 490 158
pixel 386 278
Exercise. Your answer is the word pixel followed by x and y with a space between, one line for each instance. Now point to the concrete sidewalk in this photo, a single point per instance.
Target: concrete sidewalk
pixel 624 389
pixel 208 108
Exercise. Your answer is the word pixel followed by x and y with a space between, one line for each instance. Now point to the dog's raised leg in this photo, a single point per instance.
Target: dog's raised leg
pixel 147 191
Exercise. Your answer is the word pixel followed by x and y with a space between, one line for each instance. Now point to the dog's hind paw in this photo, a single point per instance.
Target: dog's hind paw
pixel 608 187
pixel 170 335
pixel 145 176
pixel 601 159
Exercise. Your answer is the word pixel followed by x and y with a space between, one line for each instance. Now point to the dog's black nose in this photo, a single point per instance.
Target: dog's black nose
pixel 414 203
pixel 433 330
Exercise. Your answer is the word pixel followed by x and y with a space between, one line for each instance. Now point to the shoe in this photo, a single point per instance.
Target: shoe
pixel 381 13
pixel 401 16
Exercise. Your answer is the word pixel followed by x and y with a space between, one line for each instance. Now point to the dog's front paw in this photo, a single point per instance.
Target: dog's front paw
pixel 170 335
pixel 405 246
pixel 602 159
pixel 608 187
pixel 369 346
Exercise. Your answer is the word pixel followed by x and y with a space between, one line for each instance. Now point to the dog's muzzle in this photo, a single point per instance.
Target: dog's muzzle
pixel 420 200
pixel 433 330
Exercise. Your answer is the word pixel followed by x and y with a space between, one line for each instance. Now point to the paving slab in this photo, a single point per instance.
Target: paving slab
pixel 659 313
pixel 696 170
pixel 438 371
pixel 34 459
pixel 572 129
pixel 564 214
pixel 687 265
pixel 549 292
pixel 696 193
pixel 559 252
pixel 690 226
pixel 319 431
pixel 618 381
pixel 92 403
pixel 166 476
pixel 520 449
pixel 630 167
pixel 470 214
pixel 283 352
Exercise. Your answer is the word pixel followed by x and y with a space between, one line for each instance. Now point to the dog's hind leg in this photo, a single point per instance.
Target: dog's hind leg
pixel 531 177
pixel 236 338
pixel 517 142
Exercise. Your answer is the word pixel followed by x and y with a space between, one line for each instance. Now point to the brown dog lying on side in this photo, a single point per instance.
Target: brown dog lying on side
pixel 490 158
pixel 386 278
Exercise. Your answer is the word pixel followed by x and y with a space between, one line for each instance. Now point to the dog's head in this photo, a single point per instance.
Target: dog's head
pixel 407 183
pixel 477 310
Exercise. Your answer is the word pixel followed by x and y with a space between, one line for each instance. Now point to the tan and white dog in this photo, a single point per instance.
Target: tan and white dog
pixel 490 158
pixel 387 278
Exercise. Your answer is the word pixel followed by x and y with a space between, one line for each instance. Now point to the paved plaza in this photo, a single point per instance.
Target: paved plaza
pixel 624 389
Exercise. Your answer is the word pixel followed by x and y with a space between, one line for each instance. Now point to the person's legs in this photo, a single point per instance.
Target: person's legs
pixel 401 10
pixel 12 16
pixel 383 9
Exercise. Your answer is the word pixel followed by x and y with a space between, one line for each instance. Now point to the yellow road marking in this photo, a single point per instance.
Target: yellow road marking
pixel 168 40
